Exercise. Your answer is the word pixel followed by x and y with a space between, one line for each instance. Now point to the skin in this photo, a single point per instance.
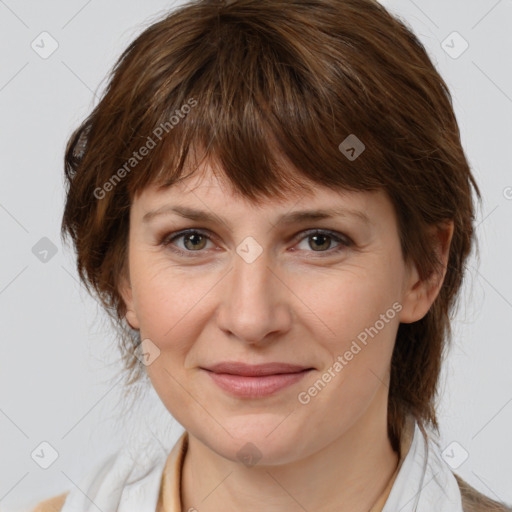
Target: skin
pixel 300 302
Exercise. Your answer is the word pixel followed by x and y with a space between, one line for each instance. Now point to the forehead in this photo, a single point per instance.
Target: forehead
pixel 214 189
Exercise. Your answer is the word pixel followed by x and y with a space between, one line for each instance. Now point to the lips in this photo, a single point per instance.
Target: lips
pixel 259 370
pixel 255 381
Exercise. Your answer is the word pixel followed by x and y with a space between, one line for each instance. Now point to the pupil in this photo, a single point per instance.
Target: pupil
pixel 316 237
pixel 196 237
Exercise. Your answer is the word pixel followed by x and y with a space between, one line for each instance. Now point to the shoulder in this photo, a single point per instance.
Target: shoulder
pixel 89 482
pixel 53 504
pixel 474 501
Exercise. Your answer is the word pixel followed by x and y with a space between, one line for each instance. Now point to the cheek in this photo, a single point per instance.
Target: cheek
pixel 169 303
pixel 352 304
pixel 360 310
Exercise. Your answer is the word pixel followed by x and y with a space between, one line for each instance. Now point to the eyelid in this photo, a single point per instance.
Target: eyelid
pixel 167 239
pixel 343 240
pixel 340 237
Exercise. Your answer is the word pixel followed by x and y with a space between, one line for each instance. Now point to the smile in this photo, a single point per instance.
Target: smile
pixel 244 386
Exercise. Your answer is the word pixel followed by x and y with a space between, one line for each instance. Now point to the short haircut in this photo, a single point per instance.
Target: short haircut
pixel 251 84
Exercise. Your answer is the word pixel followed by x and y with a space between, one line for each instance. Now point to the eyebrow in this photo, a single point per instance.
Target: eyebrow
pixel 286 218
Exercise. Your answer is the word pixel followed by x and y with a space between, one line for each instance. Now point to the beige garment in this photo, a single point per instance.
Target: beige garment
pixel 170 493
pixel 52 504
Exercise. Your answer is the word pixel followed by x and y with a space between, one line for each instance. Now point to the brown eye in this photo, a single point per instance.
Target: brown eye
pixel 325 241
pixel 320 242
pixel 193 241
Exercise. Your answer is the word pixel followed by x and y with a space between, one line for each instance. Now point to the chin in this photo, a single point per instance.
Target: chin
pixel 260 439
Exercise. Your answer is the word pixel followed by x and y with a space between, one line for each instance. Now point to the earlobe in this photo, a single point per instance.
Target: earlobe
pixel 126 293
pixel 419 295
pixel 131 318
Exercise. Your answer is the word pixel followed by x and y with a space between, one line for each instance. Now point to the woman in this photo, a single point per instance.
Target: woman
pixel 272 202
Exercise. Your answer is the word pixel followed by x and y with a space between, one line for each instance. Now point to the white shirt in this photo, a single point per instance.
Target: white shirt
pixel 120 483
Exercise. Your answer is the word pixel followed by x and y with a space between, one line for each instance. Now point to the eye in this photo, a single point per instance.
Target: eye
pixel 193 241
pixel 321 241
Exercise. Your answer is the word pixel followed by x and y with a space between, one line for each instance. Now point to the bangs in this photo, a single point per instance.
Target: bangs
pixel 279 97
pixel 264 113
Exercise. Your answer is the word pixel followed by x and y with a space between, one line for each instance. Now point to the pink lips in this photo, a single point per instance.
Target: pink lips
pixel 255 381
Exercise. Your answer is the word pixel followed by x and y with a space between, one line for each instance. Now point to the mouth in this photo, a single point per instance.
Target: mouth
pixel 256 370
pixel 255 381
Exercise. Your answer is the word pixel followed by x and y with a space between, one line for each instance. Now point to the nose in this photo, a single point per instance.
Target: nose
pixel 255 307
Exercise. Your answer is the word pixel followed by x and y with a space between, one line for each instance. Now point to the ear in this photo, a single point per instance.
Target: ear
pixel 419 295
pixel 125 290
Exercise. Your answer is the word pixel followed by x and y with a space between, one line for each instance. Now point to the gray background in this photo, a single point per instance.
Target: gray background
pixel 59 362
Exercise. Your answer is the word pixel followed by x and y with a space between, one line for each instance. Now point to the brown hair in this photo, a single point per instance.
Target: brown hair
pixel 249 84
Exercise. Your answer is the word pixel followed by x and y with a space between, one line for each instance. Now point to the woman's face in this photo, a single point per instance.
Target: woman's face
pixel 261 285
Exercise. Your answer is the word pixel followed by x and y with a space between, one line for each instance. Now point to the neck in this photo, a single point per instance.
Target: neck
pixel 349 474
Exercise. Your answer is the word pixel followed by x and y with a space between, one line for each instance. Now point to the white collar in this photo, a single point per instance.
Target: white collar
pixel 122 483
pixel 424 482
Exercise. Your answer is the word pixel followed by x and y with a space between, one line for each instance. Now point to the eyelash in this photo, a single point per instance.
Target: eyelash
pixel 166 240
